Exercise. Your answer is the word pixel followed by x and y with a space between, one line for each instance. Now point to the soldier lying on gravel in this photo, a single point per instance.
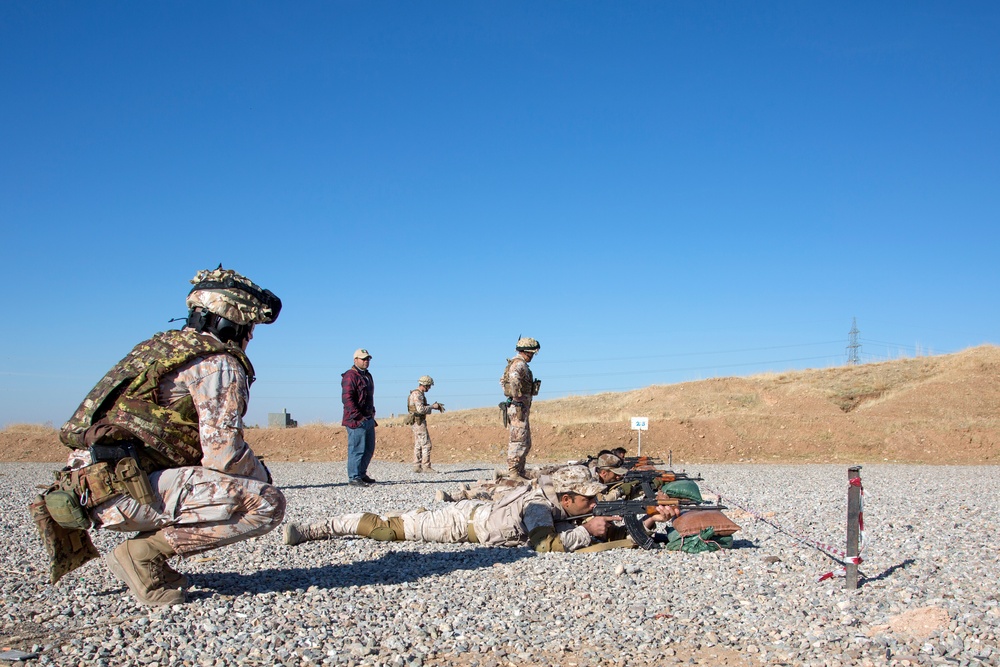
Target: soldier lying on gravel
pixel 607 468
pixel 540 516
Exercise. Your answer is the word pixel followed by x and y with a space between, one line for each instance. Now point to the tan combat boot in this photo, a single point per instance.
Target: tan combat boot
pixel 297 533
pixel 174 579
pixel 139 563
pixel 417 467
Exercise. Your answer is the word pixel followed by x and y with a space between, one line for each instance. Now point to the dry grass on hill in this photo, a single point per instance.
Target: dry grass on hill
pixel 940 409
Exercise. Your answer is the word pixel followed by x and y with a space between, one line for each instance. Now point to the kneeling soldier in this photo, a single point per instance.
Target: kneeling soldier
pixel 159 450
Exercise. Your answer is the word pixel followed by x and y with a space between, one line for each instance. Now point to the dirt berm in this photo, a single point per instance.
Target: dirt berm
pixel 939 409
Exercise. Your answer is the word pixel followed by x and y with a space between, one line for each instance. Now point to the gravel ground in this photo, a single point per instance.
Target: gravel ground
pixel 928 596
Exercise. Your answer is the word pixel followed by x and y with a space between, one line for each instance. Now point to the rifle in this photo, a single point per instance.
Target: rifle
pixel 641 461
pixel 651 481
pixel 629 511
pixel 659 475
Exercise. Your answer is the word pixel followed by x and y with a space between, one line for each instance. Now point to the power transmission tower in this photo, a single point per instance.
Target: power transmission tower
pixel 853 346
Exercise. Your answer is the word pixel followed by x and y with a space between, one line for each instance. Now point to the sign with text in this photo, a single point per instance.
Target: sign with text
pixel 640 423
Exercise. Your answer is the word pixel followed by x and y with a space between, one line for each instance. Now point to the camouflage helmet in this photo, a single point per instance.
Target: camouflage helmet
pixel 426 381
pixel 228 294
pixel 528 345
pixel 611 462
pixel 576 479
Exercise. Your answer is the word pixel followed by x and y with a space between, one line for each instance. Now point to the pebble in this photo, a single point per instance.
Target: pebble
pixel 931 542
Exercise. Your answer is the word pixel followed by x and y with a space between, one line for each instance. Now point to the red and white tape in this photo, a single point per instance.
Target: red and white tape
pixel 837 554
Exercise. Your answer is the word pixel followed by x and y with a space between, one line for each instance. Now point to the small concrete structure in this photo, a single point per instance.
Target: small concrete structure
pixel 280 420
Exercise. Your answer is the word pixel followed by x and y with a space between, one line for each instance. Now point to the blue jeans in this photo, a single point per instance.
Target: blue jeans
pixel 360 448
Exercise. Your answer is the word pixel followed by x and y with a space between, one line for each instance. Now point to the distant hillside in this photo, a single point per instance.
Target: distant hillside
pixel 939 409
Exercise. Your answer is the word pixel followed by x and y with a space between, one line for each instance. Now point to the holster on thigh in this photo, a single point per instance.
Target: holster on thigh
pixel 375 527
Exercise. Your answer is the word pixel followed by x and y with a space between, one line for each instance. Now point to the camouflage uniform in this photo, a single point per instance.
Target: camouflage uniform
pixel 521 384
pixel 622 491
pixel 228 497
pixel 530 515
pixel 490 491
pixel 519 518
pixel 417 406
pixel 166 427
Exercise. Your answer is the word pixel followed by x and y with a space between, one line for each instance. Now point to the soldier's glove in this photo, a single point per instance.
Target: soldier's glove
pixel 440 407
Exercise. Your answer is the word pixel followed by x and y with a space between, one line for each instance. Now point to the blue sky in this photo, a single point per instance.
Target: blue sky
pixel 657 191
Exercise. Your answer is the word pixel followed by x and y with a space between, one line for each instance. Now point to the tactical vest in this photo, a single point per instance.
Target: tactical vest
pixel 123 405
pixel 411 407
pixel 509 390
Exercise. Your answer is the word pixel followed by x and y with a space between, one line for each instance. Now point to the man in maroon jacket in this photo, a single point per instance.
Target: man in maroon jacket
pixel 358 396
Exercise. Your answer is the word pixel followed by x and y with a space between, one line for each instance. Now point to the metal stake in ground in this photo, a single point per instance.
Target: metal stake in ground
pixel 854 519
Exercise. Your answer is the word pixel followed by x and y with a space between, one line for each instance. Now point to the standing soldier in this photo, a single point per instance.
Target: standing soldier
pixel 158 448
pixel 418 409
pixel 519 386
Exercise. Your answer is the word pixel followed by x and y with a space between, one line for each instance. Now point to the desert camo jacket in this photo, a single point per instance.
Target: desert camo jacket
pixel 218 386
pixel 417 404
pixel 517 514
pixel 521 381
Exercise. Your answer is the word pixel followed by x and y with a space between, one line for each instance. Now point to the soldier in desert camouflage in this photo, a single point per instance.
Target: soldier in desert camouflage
pixel 416 406
pixel 540 516
pixel 158 448
pixel 606 468
pixel 519 386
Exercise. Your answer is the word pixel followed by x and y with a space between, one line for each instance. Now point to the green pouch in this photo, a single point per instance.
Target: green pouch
pixel 682 488
pixel 704 542
pixel 65 509
pixel 68 549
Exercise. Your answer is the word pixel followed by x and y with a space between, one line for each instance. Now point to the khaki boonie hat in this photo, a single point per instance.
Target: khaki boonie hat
pixel 612 463
pixel 576 479
pixel 361 353
pixel 528 345
pixel 426 380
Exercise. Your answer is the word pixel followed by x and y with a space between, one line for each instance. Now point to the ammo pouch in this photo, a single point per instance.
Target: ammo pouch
pixel 409 419
pixel 64 508
pixel 98 482
pixel 68 548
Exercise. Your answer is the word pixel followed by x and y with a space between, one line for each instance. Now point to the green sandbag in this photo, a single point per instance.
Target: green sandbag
pixel 682 488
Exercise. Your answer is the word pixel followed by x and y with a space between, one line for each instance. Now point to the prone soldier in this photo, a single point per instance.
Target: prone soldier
pixel 542 517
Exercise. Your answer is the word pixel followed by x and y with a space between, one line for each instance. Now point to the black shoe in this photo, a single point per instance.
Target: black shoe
pixel 368 480
pixel 358 482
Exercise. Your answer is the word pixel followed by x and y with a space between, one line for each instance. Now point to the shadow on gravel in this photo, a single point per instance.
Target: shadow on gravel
pixel 391 568
pixel 888 572
pixel 395 482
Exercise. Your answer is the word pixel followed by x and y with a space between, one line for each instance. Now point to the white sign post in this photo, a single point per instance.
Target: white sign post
pixel 640 424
